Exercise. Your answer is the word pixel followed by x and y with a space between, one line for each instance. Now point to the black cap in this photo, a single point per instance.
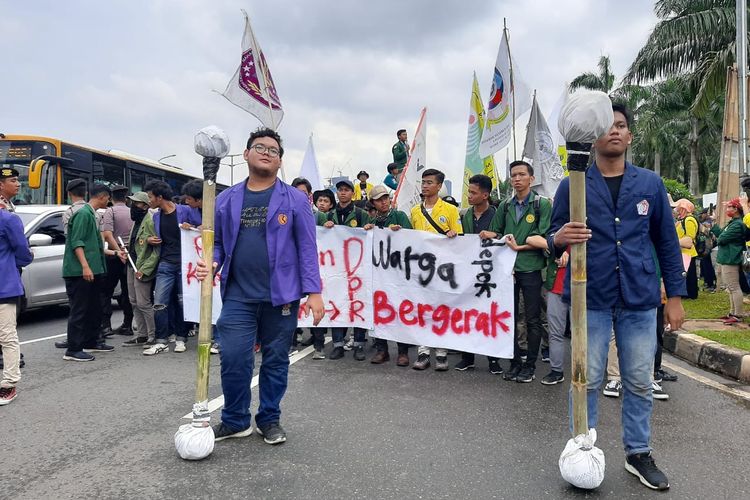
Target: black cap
pixel 75 183
pixel 345 182
pixel 363 172
pixel 119 187
pixel 8 172
pixel 325 193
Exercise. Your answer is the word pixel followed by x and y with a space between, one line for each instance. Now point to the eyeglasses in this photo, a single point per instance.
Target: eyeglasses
pixel 261 149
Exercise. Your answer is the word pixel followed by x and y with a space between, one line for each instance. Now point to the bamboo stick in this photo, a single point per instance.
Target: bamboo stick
pixel 578 307
pixel 204 328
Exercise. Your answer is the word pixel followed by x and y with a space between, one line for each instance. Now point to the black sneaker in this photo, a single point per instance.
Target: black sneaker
pixel 553 378
pixel 662 376
pixel 337 353
pixel 124 330
pixel 359 353
pixel 273 433
pixel 107 332
pixel 545 355
pixel 643 466
pixel 464 365
pixel 512 374
pixel 62 345
pixel 495 367
pixel 526 375
pixel 222 432
pixel 137 341
pixel 100 347
pixel 77 356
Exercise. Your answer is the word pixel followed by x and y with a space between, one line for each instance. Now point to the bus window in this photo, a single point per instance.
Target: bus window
pixel 18 155
pixel 137 181
pixel 67 176
pixel 107 171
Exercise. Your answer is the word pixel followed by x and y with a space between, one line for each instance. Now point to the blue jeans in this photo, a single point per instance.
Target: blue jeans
pixel 168 302
pixel 636 347
pixel 338 335
pixel 240 325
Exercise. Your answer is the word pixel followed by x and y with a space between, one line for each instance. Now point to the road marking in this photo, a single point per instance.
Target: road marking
pixel 704 380
pixel 217 403
pixel 43 338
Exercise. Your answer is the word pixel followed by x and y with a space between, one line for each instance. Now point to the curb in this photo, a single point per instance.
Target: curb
pixel 708 354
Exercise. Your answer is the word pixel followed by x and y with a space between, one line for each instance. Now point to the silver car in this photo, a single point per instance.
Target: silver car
pixel 42 279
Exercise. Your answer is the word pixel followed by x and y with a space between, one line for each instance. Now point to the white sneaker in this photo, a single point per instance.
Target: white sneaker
pixel 156 349
pixel 179 346
pixel 172 339
pixel 612 389
pixel 214 348
pixel 349 344
pixel 657 392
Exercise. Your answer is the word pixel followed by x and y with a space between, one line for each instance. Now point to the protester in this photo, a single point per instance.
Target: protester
pixel 84 269
pixel 627 205
pixel 324 200
pixel 272 221
pixel 346 214
pixel 394 173
pixel 557 314
pixel 9 187
pixel 116 225
pixel 14 254
pixel 731 243
pixel 303 185
pixel 362 188
pixel 400 150
pixel 434 216
pixel 193 193
pixel 524 220
pixel 140 282
pixel 387 217
pixel 708 273
pixel 477 219
pixel 687 231
pixel 168 286
pixel 76 190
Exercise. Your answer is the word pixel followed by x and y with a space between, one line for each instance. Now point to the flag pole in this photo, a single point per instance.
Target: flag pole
pixel 512 89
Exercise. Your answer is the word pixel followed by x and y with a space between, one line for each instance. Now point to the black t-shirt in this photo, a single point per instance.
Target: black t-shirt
pixel 170 238
pixel 614 183
pixel 484 220
pixel 134 240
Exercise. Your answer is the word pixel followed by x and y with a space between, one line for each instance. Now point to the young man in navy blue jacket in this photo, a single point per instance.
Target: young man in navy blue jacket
pixel 628 215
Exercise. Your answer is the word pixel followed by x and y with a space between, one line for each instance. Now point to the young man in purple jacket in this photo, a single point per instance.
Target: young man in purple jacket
pixel 265 248
pixel 14 254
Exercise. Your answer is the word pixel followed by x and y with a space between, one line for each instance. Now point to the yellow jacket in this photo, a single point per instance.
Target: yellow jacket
pixel 443 213
pixel 358 191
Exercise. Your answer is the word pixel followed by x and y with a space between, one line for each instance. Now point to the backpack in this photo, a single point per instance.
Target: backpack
pixel 701 242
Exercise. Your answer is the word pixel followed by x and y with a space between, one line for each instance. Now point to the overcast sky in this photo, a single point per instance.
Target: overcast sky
pixel 137 75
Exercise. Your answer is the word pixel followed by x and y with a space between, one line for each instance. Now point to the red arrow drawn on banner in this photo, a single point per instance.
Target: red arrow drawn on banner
pixel 334 311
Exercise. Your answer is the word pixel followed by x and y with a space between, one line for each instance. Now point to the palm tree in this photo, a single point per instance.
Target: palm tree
pixel 695 39
pixel 603 81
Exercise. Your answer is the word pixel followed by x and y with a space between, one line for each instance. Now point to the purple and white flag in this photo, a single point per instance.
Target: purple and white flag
pixel 252 88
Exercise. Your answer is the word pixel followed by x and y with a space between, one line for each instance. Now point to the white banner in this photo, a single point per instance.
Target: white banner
pixel 192 250
pixel 439 292
pixel 410 186
pixel 345 259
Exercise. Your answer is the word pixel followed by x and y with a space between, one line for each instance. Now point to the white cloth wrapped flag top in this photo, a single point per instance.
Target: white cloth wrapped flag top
pixel 212 142
pixel 581 463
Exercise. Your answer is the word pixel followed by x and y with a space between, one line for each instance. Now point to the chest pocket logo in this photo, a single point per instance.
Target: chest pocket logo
pixel 642 207
pixel 353 223
pixel 443 219
pixel 283 219
pixel 530 219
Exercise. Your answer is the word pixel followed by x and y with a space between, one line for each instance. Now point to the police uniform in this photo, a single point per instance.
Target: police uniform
pixel 5 203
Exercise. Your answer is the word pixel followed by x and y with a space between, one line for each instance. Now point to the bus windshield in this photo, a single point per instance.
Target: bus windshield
pixel 18 155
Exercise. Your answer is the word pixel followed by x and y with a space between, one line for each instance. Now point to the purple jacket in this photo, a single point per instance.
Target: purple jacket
pixel 184 214
pixel 14 254
pixel 290 236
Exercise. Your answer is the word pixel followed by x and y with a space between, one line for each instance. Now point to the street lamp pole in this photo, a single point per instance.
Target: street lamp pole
pixel 231 165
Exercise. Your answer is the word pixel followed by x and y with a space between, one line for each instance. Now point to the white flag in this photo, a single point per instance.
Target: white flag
pixel 498 126
pixel 541 149
pixel 410 187
pixel 309 168
pixel 252 88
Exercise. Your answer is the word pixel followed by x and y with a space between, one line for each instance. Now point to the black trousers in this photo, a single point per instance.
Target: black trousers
pixel 469 357
pixel 85 311
pixel 116 273
pixel 381 345
pixel 692 279
pixel 530 285
pixel 708 272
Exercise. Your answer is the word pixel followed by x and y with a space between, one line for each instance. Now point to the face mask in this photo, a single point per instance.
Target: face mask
pixel 137 214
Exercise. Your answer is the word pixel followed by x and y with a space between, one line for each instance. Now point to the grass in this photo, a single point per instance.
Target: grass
pixel 737 338
pixel 707 305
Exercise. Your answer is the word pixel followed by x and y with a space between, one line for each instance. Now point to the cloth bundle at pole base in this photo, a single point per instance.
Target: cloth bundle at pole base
pixel 195 441
pixel 581 463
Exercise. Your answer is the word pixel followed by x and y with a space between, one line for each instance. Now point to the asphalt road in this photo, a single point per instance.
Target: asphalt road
pixel 105 430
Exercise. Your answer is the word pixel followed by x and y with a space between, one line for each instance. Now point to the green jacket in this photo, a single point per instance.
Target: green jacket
pixel 83 232
pixel 400 154
pixel 504 222
pixel 146 256
pixel 467 221
pixel 731 243
pixel 356 218
pixel 394 218
pixel 320 218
